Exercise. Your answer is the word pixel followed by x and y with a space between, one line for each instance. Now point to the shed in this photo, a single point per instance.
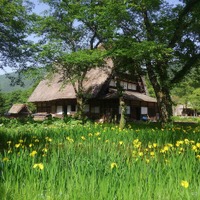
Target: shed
pixel 19 110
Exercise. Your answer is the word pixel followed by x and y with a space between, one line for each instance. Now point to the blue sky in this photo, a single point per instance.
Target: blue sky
pixel 39 7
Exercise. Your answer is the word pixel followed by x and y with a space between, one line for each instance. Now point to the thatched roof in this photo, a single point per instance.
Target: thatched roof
pixel 16 108
pixel 49 90
pixel 129 95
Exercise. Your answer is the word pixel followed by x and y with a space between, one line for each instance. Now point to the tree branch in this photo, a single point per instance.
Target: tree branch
pixel 186 68
pixel 180 25
pixel 150 36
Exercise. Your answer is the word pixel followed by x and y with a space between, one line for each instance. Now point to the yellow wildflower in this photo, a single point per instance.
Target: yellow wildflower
pixel 186 141
pixel 5 159
pixel 136 143
pixel 44 149
pixel 83 138
pixel 166 148
pixel 39 166
pixel 140 153
pixel 198 156
pixel 30 145
pixel 155 145
pixel 194 148
pixel 97 134
pixel 33 153
pixel 10 151
pixel 113 165
pixel 147 160
pixel 178 143
pixel 9 142
pixel 21 141
pixel 70 139
pixel 17 145
pixel 184 184
pixel 152 153
pixel 121 142
pixel 198 145
pixel 36 140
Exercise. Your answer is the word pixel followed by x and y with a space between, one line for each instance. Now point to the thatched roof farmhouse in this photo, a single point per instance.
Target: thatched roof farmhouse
pixel 52 96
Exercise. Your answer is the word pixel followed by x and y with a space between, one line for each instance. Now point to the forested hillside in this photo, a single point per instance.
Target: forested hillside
pixel 6 84
pixel 13 90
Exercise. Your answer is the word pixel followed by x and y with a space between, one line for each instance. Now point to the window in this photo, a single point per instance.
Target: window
pixel 59 110
pixel 73 108
pixel 128 110
pixel 87 108
pixel 112 83
pixel 144 110
pixel 124 85
pixel 132 86
pixel 95 109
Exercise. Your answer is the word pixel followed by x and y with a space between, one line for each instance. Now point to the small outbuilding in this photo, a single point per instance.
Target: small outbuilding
pixel 18 111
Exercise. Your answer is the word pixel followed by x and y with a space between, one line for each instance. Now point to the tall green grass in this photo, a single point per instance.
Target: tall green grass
pixel 59 161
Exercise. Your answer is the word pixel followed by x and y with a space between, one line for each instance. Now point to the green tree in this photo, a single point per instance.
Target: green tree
pixel 69 46
pixel 1 103
pixel 164 40
pixel 156 36
pixel 186 92
pixel 14 22
pixel 195 99
pixel 74 67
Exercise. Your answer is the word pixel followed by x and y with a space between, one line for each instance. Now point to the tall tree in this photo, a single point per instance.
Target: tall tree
pixel 187 91
pixel 14 45
pixel 68 46
pixel 162 38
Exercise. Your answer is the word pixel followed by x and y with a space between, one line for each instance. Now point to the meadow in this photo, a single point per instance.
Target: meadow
pixel 57 160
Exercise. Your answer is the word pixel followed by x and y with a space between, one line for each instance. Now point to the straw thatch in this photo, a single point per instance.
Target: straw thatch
pixel 17 108
pixel 129 95
pixel 54 89
pixel 49 90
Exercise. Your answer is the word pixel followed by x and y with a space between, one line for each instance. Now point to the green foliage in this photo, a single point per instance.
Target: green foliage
pixel 187 92
pixel 1 103
pixel 6 84
pixel 72 161
pixel 15 51
pixel 18 96
pixel 195 99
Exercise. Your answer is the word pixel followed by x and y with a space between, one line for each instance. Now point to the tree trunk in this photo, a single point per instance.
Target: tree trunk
pixel 164 106
pixel 80 107
pixel 122 121
pixel 163 96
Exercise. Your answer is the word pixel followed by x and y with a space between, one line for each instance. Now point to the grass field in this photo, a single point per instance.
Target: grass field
pixel 61 161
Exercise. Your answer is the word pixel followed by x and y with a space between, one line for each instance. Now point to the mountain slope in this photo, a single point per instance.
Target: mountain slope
pixel 7 86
